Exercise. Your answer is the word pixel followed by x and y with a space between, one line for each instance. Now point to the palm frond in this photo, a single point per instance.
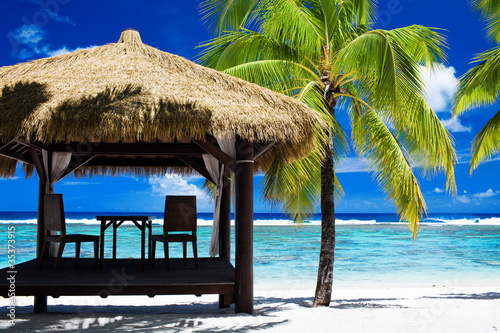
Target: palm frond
pixel 376 62
pixel 480 86
pixel 486 7
pixel 365 11
pixel 292 23
pixel 313 96
pixel 490 11
pixel 387 63
pixel 425 45
pixel 374 141
pixel 487 142
pixel 493 27
pixel 238 47
pixel 428 143
pixel 394 89
pixel 296 187
pixel 277 75
pixel 224 15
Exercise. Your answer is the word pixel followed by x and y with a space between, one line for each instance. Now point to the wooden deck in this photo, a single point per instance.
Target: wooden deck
pixel 214 276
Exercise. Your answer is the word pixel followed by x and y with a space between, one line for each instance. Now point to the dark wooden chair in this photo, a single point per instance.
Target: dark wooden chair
pixel 179 226
pixel 54 221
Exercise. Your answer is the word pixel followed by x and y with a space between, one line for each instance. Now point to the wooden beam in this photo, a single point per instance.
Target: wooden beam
pixel 196 166
pixel 138 149
pixel 37 161
pixel 7 144
pixel 216 152
pixel 243 176
pixel 264 149
pixel 73 166
pixel 135 162
pixel 5 152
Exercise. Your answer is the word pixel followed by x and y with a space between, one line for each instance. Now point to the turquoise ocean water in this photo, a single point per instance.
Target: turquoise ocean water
pixel 370 249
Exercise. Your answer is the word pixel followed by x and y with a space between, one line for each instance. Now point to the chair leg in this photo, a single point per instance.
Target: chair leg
pixel 45 251
pixel 78 246
pixel 195 253
pixel 96 254
pixel 165 249
pixel 184 251
pixel 59 255
pixel 153 252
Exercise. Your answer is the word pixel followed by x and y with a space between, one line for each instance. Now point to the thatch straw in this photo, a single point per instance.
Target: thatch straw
pixel 131 92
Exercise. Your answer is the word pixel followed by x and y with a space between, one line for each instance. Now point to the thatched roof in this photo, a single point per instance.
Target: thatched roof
pixel 131 92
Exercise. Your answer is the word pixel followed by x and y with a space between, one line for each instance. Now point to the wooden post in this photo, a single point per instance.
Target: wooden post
pixel 243 177
pixel 40 302
pixel 225 229
pixel 40 232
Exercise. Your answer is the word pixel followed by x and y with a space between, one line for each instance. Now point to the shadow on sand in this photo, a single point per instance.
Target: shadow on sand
pixel 485 296
pixel 189 316
pixel 205 317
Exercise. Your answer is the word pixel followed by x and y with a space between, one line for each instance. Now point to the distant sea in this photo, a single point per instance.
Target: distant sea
pixel 370 248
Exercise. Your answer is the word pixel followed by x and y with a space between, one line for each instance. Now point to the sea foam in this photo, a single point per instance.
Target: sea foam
pixel 279 221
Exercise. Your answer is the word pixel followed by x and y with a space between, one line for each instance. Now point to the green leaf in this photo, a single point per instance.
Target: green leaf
pixel 374 141
pixel 480 86
pixel 222 15
pixel 487 142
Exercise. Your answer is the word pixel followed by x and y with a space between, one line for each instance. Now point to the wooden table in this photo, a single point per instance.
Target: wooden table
pixel 141 221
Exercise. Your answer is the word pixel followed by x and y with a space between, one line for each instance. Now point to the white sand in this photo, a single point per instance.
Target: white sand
pixel 449 307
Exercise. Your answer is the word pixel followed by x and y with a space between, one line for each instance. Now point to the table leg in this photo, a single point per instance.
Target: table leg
pixel 115 226
pixel 143 243
pixel 103 226
pixel 150 224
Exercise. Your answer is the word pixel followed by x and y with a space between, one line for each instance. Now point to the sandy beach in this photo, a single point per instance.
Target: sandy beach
pixel 445 307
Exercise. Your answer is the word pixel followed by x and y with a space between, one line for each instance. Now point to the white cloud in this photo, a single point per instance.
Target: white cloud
pixel 438 190
pixel 440 86
pixel 9 178
pixel 454 125
pixel 58 18
pixel 463 156
pixel 352 164
pixel 494 159
pixel 487 194
pixel 174 184
pixel 64 50
pixel 477 198
pixel 77 183
pixel 463 199
pixel 29 34
pixel 29 41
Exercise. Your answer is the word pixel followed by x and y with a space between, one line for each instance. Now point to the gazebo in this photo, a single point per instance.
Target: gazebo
pixel 130 108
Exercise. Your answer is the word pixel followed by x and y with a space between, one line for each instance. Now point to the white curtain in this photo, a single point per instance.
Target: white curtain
pixel 228 145
pixel 59 164
pixel 216 171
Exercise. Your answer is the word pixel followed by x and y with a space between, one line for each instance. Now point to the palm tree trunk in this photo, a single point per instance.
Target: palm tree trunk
pixel 324 284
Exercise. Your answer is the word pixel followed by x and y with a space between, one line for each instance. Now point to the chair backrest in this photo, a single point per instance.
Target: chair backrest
pixel 180 214
pixel 53 213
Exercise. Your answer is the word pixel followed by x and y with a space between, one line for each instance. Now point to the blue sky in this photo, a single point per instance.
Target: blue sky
pixel 31 29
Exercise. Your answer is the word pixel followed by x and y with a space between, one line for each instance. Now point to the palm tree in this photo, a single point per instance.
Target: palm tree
pixel 325 54
pixel 480 86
